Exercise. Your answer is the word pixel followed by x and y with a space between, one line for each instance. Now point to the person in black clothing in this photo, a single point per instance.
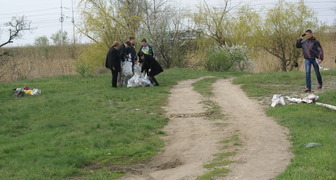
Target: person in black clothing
pixel 124 51
pixel 150 66
pixel 313 54
pixel 113 62
pixel 132 48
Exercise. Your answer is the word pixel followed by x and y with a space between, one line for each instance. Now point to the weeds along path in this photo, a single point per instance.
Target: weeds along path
pixel 265 146
pixel 191 141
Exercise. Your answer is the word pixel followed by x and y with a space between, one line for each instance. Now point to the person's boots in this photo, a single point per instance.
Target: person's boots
pixel 155 81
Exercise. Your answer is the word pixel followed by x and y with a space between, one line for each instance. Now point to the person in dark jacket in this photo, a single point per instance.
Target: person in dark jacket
pixel 113 62
pixel 132 48
pixel 124 51
pixel 146 48
pixel 150 66
pixel 313 54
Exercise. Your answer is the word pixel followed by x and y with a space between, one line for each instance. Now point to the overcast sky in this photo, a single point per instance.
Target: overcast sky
pixel 45 14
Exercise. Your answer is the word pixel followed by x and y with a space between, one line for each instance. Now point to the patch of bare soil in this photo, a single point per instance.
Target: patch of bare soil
pixel 192 140
pixel 265 151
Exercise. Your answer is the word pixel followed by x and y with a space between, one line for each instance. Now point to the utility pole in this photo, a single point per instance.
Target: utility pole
pixel 61 19
pixel 73 23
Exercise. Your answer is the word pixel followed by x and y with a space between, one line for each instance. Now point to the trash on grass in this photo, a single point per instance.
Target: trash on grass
pixel 311 98
pixel 312 144
pixel 138 81
pixel 20 92
pixel 277 99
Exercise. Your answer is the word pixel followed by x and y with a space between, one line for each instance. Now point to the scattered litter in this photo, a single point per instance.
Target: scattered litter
pixel 311 98
pixel 326 105
pixel 20 92
pixel 312 144
pixel 277 99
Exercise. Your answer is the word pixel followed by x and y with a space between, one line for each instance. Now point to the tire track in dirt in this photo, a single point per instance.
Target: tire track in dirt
pixel 192 141
pixel 265 152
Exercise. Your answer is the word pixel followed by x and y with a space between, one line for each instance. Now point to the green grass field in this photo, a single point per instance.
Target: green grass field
pixel 81 128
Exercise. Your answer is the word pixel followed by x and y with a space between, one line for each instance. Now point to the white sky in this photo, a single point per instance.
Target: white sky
pixel 44 14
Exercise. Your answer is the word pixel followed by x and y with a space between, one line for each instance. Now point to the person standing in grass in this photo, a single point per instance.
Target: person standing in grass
pixel 113 62
pixel 150 66
pixel 313 54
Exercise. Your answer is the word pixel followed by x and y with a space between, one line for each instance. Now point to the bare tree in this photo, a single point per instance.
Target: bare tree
pixel 163 27
pixel 16 26
pixel 15 29
pixel 215 21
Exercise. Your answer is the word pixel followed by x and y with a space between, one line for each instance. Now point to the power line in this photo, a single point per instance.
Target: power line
pixel 25 12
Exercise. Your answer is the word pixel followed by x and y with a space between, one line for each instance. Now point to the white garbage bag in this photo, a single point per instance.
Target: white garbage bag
pixel 138 81
pixel 127 68
pixel 277 99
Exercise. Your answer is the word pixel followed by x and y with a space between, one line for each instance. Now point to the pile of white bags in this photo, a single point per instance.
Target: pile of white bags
pixel 138 80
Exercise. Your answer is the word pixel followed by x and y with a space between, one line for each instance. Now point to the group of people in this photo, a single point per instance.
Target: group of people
pixel 120 54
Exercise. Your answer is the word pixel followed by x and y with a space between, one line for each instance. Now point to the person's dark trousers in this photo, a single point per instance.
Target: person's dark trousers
pixel 308 64
pixel 114 78
pixel 152 78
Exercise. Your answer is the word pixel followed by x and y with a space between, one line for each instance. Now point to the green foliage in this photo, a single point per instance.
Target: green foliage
pixel 60 38
pixel 204 86
pixel 42 41
pixel 109 21
pixel 243 26
pixel 84 69
pixel 214 173
pixel 284 23
pixel 91 56
pixel 225 58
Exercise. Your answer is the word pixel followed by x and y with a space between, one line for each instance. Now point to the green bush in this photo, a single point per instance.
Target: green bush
pixel 225 58
pixel 90 58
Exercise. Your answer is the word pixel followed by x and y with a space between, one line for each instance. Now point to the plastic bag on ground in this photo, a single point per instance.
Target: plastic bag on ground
pixel 138 81
pixel 312 144
pixel 277 99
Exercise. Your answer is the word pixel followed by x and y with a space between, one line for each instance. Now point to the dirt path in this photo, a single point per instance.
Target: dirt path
pixel 192 140
pixel 265 152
